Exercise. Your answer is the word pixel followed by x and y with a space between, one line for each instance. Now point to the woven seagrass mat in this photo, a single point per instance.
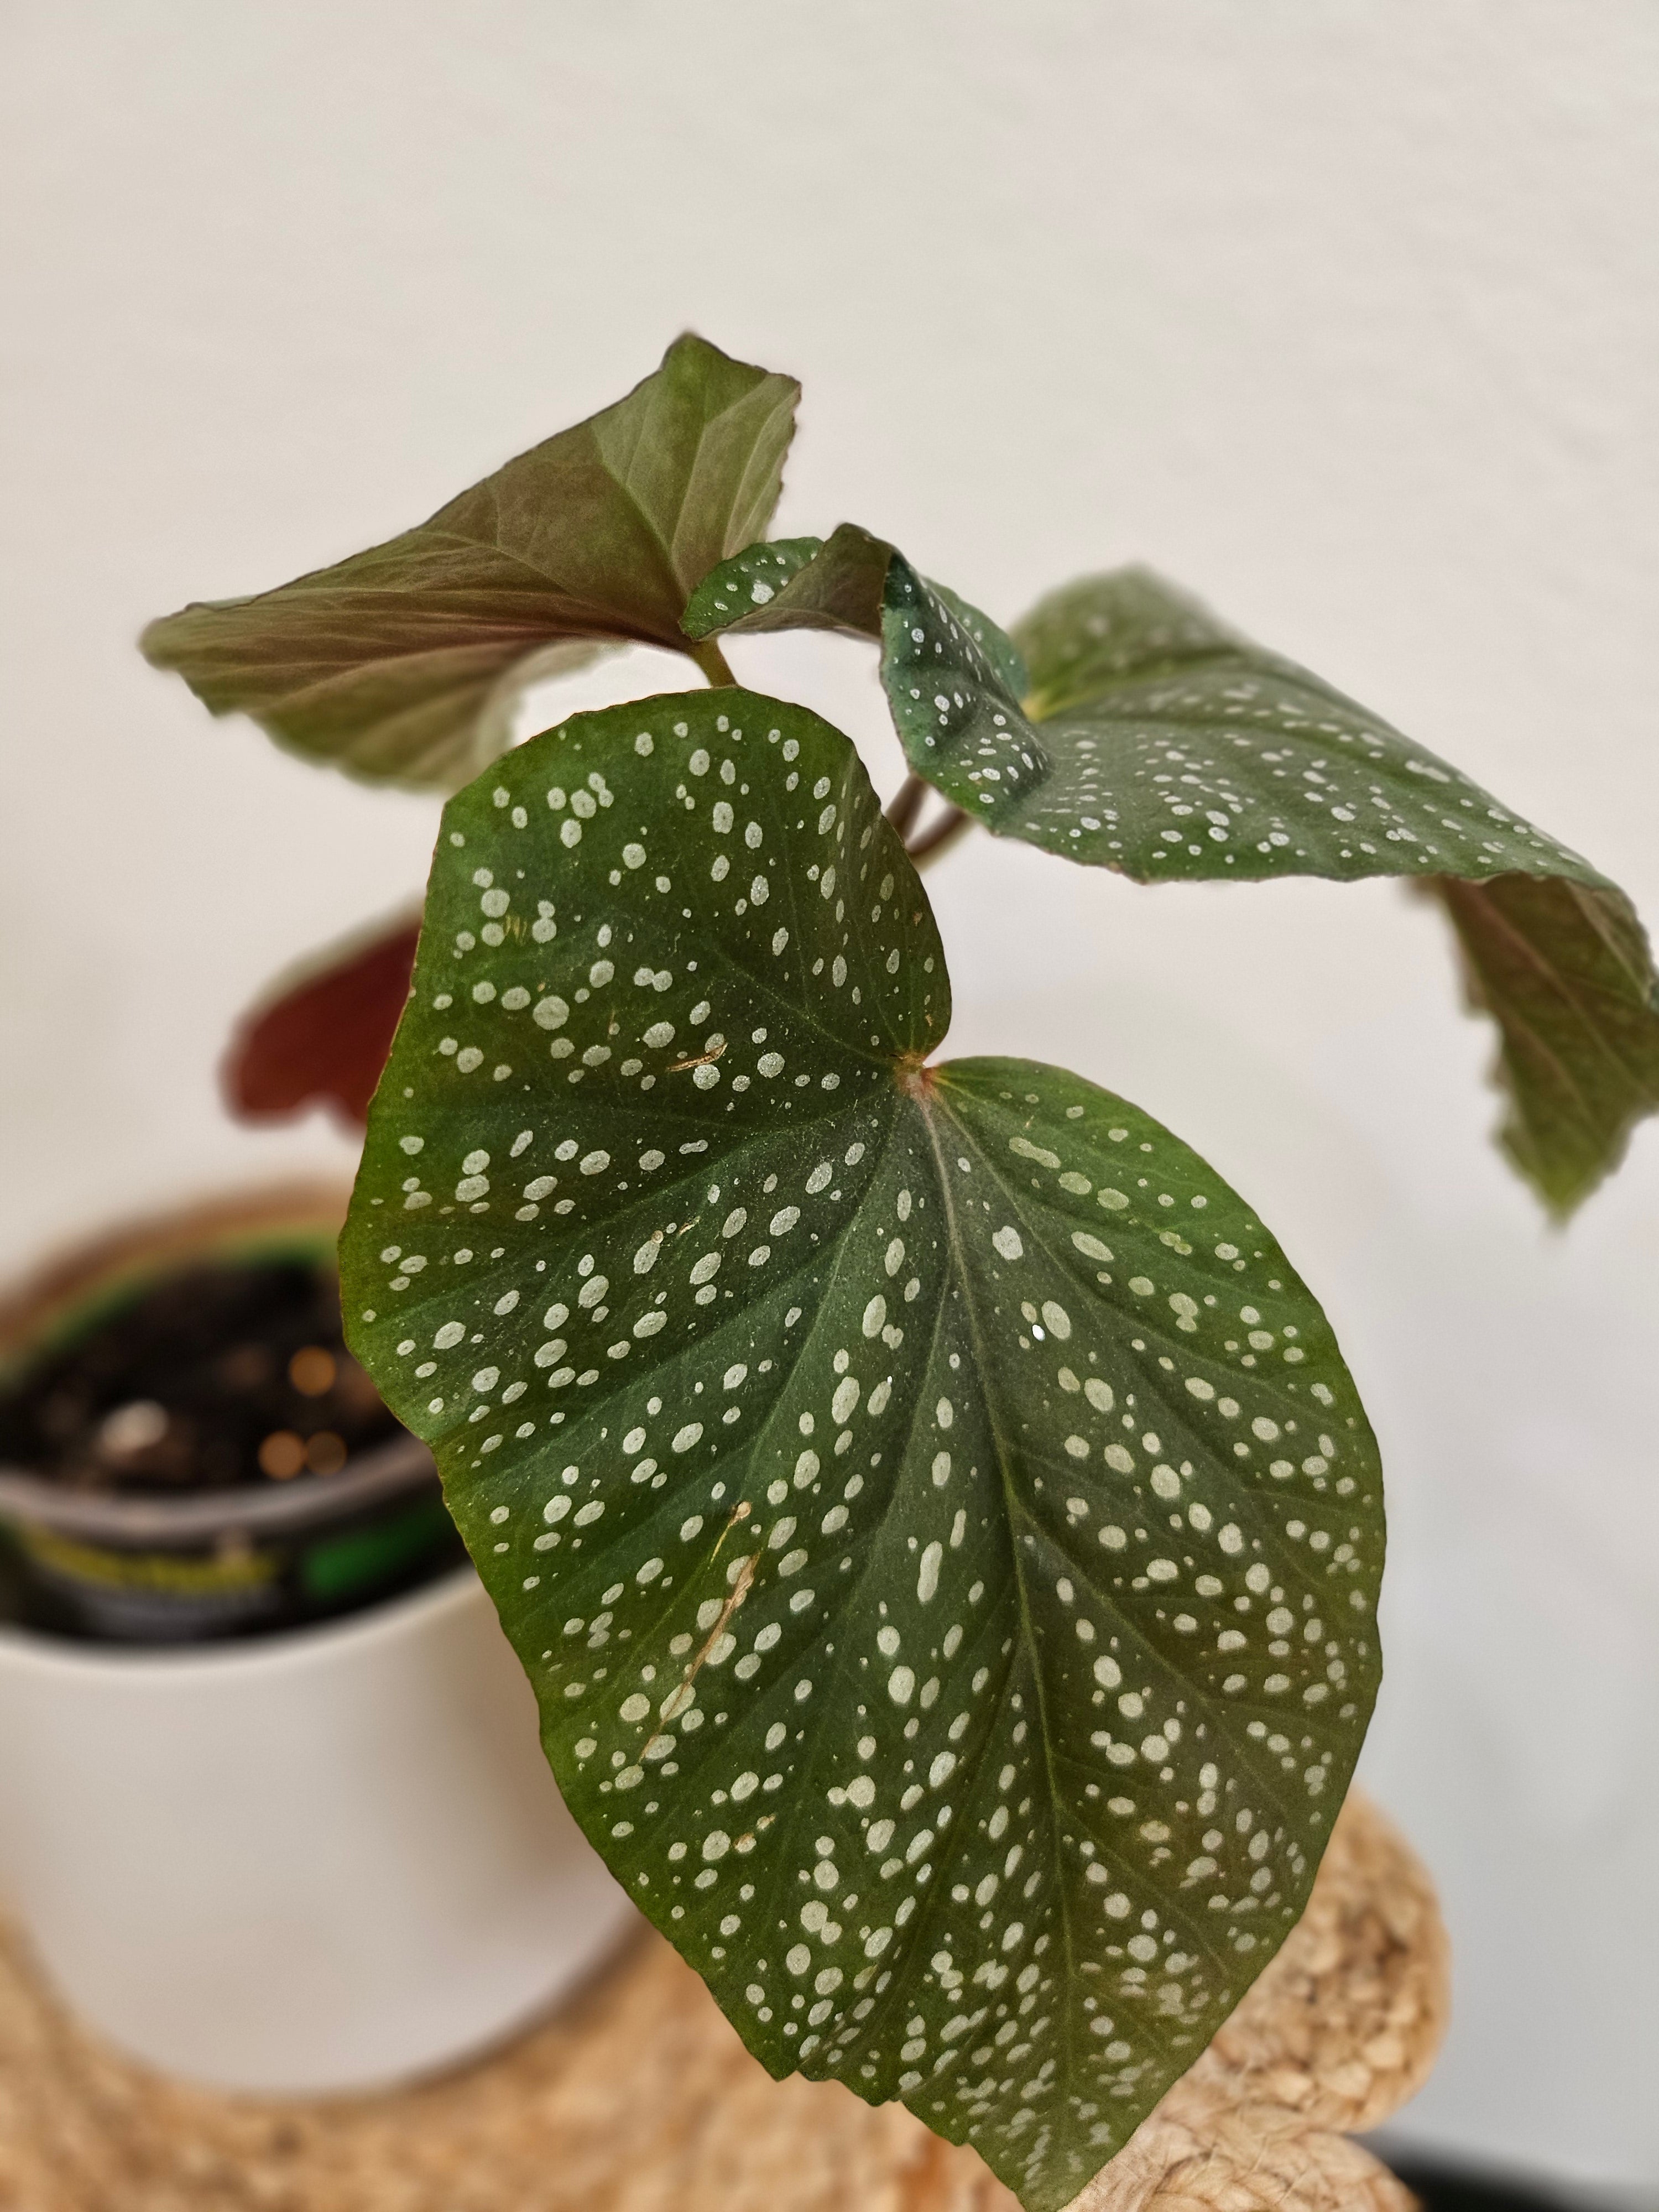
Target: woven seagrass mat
pixel 638 2097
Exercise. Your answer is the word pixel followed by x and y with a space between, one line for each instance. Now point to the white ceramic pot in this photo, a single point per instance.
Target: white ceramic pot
pixel 320 1861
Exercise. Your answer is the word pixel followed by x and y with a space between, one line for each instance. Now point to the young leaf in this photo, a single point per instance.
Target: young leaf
pixel 399 664
pixel 762 588
pixel 938 1524
pixel 322 1036
pixel 1157 742
pixel 842 583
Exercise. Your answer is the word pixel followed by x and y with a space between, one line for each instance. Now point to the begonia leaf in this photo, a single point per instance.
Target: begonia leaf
pixel 401 664
pixel 938 1525
pixel 1124 727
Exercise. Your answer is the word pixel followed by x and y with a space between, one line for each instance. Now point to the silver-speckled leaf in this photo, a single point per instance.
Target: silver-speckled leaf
pixel 937 1523
pixel 741 593
pixel 1191 756
pixel 1184 751
pixel 839 583
pixel 1154 740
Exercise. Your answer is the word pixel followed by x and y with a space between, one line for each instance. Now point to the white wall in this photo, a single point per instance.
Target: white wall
pixel 1342 313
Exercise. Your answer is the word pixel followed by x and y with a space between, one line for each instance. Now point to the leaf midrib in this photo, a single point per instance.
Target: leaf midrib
pixel 1268 1778
pixel 958 1264
pixel 1037 710
pixel 1018 1203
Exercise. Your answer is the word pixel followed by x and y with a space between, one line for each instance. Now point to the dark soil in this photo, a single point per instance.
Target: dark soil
pixel 220 1374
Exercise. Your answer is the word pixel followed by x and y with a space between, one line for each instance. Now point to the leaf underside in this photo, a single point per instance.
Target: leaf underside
pixel 1155 741
pixel 938 1524
pixel 1564 969
pixel 400 665
pixel 322 1037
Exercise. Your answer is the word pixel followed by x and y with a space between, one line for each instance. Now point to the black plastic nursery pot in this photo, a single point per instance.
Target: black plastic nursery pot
pixel 188 1452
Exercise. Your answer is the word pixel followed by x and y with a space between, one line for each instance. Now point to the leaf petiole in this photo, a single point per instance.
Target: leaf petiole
pixel 907 803
pixel 712 662
pixel 933 844
pixel 906 806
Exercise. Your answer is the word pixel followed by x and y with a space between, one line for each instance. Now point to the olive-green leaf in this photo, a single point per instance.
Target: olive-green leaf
pixel 938 1525
pixel 1565 970
pixel 1156 741
pixel 400 664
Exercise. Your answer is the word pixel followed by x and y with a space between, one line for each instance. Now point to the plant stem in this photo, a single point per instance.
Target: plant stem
pixel 713 662
pixel 940 839
pixel 907 804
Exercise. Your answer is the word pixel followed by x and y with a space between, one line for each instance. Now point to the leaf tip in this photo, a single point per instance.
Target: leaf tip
pixel 155 639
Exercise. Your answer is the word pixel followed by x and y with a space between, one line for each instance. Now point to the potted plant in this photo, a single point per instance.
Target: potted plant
pixel 938 1525
pixel 273 1815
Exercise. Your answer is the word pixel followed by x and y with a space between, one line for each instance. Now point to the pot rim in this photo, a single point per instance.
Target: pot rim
pixel 366 1478
pixel 78 1277
pixel 26 1652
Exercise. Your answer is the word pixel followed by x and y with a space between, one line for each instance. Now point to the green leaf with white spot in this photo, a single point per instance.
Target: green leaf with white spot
pixel 760 589
pixel 1156 741
pixel 840 583
pixel 1183 750
pixel 1172 749
pixel 401 665
pixel 938 1524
